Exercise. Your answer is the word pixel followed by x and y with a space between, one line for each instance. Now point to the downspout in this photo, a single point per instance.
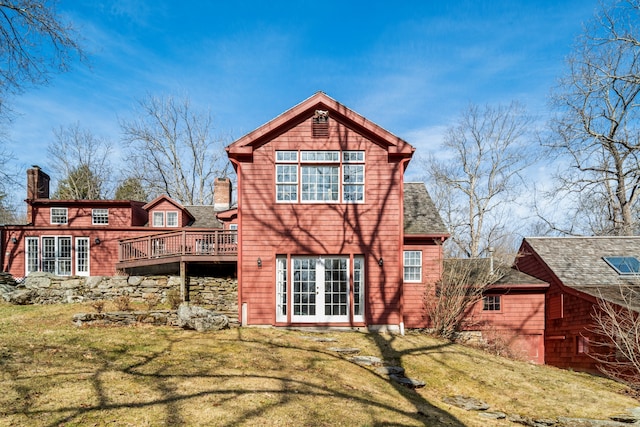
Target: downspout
pixel 241 307
pixel 403 163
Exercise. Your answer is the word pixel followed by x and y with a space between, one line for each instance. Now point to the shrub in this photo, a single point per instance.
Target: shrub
pixel 173 298
pixel 152 301
pixel 98 305
pixel 122 302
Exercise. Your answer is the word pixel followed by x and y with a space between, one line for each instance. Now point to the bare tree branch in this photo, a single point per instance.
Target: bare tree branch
pixel 597 126
pixel 485 154
pixel 81 163
pixel 172 150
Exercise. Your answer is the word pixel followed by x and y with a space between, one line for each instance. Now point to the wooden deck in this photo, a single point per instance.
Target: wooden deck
pixel 215 246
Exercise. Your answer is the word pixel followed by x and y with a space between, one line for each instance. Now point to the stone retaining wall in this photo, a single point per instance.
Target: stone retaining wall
pixel 221 294
pixel 128 318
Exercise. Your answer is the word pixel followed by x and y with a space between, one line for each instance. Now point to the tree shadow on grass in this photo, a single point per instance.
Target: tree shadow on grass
pixel 242 387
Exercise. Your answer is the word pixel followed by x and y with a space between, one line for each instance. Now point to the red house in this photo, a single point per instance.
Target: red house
pixel 579 270
pixel 511 314
pixel 326 235
pixel 84 237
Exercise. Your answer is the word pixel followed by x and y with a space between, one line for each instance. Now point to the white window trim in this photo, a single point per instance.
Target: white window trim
pixel 329 158
pixel 160 214
pixel 77 256
pixel 166 218
pixel 316 165
pixel 56 258
pixel 284 288
pixel 362 184
pixel 404 265
pixel 101 214
pixel 282 291
pixel 27 253
pixel 361 302
pixel 295 183
pixel 66 214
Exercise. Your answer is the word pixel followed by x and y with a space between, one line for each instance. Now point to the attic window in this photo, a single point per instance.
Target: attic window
pixel 624 264
pixel 320 125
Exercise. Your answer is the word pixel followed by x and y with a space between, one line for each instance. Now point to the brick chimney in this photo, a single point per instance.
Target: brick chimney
pixel 37 188
pixel 222 194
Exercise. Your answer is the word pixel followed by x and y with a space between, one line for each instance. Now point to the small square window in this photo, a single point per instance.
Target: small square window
pixel 491 303
pixel 172 219
pixel 158 219
pixel 100 216
pixel 59 215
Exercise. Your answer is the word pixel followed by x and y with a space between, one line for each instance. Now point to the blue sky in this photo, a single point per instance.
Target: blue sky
pixel 409 66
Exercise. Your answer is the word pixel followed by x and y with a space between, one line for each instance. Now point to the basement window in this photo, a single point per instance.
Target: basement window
pixel 624 264
pixel 320 124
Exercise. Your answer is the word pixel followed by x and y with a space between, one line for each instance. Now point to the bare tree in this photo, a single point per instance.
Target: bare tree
pixel 616 336
pixel 596 129
pixel 34 42
pixel 483 154
pixel 81 163
pixel 172 150
pixel 463 283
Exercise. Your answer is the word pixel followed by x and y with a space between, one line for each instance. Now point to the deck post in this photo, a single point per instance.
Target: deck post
pixel 183 281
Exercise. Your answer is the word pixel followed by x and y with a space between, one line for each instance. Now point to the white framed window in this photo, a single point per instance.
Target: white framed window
pixel 234 227
pixel 172 219
pixel 320 176
pixel 100 216
pixel 287 183
pixel 281 288
pixel 358 288
pixel 491 303
pixel 312 289
pixel 56 255
pixel 59 216
pixel 319 184
pixel 82 256
pixel 320 156
pixel 412 266
pixel 158 219
pixel 286 156
pixel 353 156
pixel 353 183
pixel 32 254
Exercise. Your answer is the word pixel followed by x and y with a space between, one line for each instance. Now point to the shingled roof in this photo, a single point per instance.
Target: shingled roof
pixel 578 263
pixel 204 217
pixel 420 214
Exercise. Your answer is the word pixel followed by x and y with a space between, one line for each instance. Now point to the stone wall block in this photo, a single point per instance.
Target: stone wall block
pixel 135 280
pixel 93 281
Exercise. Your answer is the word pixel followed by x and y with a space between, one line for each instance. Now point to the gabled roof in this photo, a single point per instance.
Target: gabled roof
pixel 420 214
pixel 578 262
pixel 306 109
pixel 503 277
pixel 166 198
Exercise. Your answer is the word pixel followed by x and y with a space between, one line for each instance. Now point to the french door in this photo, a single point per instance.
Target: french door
pixel 320 289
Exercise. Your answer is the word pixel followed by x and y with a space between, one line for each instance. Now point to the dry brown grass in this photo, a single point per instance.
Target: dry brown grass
pixel 53 373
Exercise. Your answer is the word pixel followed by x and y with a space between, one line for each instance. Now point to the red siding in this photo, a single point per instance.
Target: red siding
pixel 519 323
pixel 371 229
pixel 562 328
pixel 103 256
pixel 415 293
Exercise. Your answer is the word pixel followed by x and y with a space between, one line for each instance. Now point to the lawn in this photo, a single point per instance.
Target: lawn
pixel 54 373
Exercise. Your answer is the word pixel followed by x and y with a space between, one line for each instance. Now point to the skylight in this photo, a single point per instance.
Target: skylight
pixel 624 264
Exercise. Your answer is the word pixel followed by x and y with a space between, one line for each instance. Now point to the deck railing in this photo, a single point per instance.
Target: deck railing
pixel 179 243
